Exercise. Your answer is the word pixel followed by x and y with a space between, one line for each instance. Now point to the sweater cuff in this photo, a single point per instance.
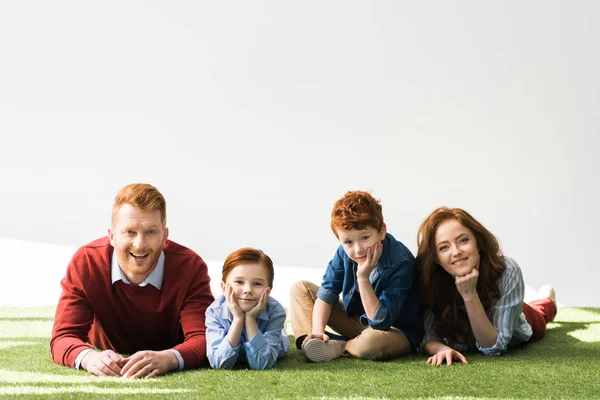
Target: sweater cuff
pixel 179 358
pixel 80 356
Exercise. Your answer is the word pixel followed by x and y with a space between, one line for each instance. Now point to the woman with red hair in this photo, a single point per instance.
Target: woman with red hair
pixel 473 295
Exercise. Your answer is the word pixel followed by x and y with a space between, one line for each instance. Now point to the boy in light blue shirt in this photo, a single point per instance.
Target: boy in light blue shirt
pixel 245 325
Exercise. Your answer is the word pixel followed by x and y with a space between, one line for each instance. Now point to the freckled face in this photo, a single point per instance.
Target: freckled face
pixel 356 242
pixel 456 248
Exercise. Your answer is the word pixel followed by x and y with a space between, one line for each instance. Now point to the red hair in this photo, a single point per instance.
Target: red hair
pixel 142 196
pixel 248 255
pixel 356 210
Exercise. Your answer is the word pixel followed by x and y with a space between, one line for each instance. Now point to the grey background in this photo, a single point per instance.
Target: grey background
pixel 253 118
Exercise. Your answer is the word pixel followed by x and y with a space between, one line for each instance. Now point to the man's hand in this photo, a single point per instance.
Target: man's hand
pixel 373 254
pixel 261 305
pixel 467 285
pixel 232 303
pixel 148 364
pixel 447 354
pixel 106 363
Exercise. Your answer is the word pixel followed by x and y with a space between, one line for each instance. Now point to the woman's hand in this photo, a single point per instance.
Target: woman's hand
pixel 448 354
pixel 467 284
pixel 232 303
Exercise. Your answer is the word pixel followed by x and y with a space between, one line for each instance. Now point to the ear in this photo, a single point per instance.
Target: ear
pixel 111 237
pixel 223 287
pixel 382 232
pixel 165 237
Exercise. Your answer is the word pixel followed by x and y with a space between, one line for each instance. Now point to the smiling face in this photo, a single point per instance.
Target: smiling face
pixel 356 242
pixel 138 238
pixel 456 248
pixel 248 282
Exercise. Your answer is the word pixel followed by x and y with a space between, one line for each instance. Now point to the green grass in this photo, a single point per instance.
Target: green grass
pixel 565 364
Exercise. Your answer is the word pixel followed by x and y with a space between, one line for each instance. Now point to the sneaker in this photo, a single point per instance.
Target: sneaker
pixel 548 291
pixel 317 350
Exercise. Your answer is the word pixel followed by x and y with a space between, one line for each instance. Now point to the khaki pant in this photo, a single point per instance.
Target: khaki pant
pixel 366 342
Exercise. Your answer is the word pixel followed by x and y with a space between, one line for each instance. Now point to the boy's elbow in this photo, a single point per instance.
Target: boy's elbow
pixel 261 362
pixel 222 365
pixel 380 324
pixel 262 366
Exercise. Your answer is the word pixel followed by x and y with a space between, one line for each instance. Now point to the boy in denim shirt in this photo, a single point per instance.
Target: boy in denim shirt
pixel 379 316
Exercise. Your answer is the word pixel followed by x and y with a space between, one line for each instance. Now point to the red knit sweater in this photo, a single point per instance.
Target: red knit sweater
pixel 129 318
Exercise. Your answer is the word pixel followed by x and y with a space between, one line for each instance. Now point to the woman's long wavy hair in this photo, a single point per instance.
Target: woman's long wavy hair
pixel 437 289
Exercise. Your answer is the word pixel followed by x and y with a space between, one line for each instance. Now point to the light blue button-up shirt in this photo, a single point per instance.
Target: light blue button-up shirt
pixel 262 352
pixel 155 278
pixel 506 316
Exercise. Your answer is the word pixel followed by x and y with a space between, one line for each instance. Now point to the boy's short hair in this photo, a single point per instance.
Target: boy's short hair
pixel 142 196
pixel 248 255
pixel 356 210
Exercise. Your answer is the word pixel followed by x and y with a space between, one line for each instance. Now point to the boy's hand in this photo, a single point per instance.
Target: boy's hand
pixel 467 285
pixel 261 305
pixel 373 254
pixel 232 303
pixel 322 336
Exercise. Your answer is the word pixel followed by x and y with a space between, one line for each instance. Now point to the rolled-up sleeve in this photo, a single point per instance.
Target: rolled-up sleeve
pixel 270 343
pixel 430 333
pixel 392 298
pixel 220 354
pixel 505 315
pixel 381 318
pixel 333 280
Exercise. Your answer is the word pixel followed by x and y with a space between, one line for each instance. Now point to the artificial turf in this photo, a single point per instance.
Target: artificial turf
pixel 565 364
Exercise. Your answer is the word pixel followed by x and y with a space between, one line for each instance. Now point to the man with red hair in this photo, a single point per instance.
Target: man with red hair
pixel 378 316
pixel 134 292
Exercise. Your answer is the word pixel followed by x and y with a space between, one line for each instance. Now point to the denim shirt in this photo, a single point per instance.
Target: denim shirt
pixel 394 285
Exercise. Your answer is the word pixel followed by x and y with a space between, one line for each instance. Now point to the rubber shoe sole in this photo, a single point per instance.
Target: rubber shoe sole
pixel 317 350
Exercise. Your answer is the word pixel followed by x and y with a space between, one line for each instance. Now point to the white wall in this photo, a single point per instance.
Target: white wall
pixel 253 117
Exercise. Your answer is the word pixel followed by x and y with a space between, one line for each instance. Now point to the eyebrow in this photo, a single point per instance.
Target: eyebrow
pixel 360 234
pixel 447 241
pixel 134 228
pixel 254 279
